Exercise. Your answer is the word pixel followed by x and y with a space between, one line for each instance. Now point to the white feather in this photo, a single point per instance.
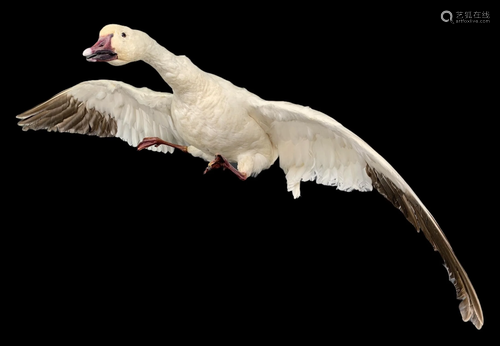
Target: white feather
pixel 313 146
pixel 138 112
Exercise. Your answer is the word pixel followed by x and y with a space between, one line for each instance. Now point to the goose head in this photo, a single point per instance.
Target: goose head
pixel 118 45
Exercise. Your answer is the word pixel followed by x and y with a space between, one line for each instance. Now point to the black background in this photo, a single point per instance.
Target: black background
pixel 100 238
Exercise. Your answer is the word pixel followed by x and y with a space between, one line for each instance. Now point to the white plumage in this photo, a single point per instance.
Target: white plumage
pixel 209 116
pixel 138 113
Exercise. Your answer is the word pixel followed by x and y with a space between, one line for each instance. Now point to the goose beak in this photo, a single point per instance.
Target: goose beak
pixel 101 51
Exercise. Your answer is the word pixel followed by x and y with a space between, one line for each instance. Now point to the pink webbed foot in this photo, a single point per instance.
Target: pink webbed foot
pixel 221 162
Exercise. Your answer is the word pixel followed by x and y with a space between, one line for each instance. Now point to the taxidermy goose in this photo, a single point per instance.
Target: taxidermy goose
pixel 208 117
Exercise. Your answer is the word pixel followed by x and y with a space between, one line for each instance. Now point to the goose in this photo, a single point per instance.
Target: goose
pixel 232 128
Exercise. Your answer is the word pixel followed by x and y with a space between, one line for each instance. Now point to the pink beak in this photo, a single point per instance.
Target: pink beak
pixel 101 51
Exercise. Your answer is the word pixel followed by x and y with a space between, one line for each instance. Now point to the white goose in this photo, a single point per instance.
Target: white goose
pixel 211 118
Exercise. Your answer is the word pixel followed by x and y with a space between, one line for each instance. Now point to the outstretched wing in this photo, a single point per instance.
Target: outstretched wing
pixel 107 109
pixel 313 146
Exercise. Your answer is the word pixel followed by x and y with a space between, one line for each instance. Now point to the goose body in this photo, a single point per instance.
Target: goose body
pixel 218 122
pixel 208 116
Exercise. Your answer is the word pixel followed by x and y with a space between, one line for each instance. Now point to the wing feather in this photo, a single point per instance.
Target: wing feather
pixel 313 146
pixel 106 109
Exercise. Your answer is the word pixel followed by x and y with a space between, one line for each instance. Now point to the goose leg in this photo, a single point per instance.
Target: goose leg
pixel 150 141
pixel 221 162
pixel 218 162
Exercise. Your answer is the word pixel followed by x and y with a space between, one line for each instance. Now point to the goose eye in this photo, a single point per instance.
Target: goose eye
pixel 124 35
